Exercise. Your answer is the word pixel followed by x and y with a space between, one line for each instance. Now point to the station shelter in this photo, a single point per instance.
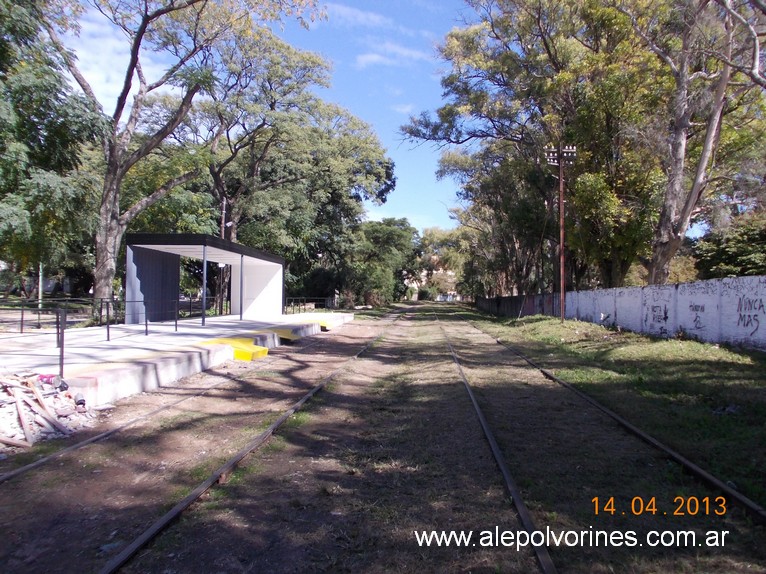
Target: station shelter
pixel 153 276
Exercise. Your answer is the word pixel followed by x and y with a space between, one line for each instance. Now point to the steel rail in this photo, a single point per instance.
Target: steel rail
pixel 106 434
pixel 752 507
pixel 163 522
pixel 541 552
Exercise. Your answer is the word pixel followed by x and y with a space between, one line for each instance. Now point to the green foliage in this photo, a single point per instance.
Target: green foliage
pixel 291 170
pixel 383 258
pixel 530 74
pixel 184 210
pixel 442 260
pixel 736 251
pixel 307 197
pixel 427 294
pixel 45 204
pixel 581 79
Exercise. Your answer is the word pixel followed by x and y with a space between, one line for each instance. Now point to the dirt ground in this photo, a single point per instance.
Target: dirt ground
pixel 392 447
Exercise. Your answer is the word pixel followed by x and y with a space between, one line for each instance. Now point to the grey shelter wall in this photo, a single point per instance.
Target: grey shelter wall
pixel 152 284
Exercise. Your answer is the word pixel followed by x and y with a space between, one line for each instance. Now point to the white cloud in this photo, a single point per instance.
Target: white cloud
pixel 405 109
pixel 348 17
pixel 405 53
pixel 102 56
pixel 354 18
pixel 391 54
pixel 365 60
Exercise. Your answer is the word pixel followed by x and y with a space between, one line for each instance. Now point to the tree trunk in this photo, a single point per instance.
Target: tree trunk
pixel 108 240
pixel 679 204
pixel 662 254
pixel 666 238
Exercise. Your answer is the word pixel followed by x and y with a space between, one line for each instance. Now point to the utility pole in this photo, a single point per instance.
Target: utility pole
pixel 561 156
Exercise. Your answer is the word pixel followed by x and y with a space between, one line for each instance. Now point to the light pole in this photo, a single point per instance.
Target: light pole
pixel 561 156
pixel 223 218
pixel 221 266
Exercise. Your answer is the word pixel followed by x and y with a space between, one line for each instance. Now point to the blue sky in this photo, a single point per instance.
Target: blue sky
pixel 386 69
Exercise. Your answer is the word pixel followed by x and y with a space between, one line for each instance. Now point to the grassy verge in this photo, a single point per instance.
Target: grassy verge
pixel 706 401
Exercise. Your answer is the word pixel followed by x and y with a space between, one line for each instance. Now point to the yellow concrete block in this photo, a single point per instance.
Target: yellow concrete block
pixel 244 349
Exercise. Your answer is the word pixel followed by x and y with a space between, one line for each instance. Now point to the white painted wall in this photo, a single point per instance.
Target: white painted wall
pixel 262 290
pixel 729 310
pixel 628 307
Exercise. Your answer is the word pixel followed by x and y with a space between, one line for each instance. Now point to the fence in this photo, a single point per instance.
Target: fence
pixel 54 316
pixel 520 306
pixel 727 310
pixel 25 315
pixel 304 304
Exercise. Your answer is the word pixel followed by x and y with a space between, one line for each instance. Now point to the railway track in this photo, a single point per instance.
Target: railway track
pixel 221 474
pixel 216 381
pixel 541 552
pixel 396 450
pixel 755 510
pixel 688 498
pixel 301 378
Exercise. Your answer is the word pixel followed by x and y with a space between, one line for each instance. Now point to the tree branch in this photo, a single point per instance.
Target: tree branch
pixel 157 138
pixel 150 200
pixel 135 48
pixel 69 61
pixel 653 46
pixel 753 71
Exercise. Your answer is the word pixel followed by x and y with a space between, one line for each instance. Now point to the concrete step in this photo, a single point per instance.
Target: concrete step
pixel 113 381
pixel 244 348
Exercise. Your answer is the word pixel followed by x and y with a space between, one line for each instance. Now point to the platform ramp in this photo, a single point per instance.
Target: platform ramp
pixel 326 321
pixel 112 381
pixel 292 333
pixel 244 348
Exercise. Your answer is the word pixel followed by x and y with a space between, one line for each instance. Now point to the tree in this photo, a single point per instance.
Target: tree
pixel 748 17
pixel 256 109
pixel 441 252
pixel 308 199
pixel 738 250
pixel 43 127
pixel 484 272
pixel 698 45
pixel 533 73
pixel 514 198
pixel 385 257
pixel 440 260
pixel 184 33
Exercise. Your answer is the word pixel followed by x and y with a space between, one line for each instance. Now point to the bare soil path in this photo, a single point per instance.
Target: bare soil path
pixel 391 448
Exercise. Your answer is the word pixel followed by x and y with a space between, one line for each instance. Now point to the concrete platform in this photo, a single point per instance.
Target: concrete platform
pixel 133 362
pixel 326 321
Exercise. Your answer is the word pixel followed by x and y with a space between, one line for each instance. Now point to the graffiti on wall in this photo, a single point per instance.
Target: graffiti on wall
pixel 720 310
pixel 697 309
pixel 749 309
